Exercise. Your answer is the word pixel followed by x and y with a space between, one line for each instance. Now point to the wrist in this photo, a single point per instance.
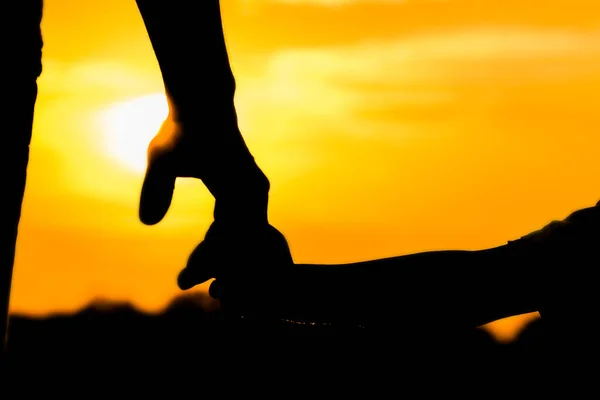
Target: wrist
pixel 241 194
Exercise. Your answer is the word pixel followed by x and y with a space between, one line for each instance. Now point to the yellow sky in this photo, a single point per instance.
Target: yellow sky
pixel 386 128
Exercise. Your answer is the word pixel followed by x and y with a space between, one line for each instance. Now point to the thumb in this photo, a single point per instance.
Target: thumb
pixel 199 268
pixel 157 190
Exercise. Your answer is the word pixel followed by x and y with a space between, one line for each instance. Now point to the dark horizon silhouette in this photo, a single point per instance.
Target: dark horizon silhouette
pixel 428 303
pixel 121 347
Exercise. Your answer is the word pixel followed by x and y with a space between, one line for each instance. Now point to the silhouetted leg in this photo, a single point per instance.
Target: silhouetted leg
pixel 22 60
pixel 201 137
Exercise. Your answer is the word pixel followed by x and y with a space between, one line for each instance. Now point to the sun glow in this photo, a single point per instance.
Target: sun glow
pixel 130 126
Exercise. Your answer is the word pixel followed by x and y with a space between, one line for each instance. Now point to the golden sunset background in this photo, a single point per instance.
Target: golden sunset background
pixel 385 127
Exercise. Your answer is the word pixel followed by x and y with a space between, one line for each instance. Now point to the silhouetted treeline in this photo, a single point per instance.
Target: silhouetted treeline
pixel 119 345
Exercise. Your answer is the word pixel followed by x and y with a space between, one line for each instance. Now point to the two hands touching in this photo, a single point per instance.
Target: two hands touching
pixel 242 251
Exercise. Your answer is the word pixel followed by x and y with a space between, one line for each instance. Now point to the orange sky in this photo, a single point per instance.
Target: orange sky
pixel 386 128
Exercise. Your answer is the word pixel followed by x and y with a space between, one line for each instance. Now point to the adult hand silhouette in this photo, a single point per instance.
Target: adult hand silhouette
pixel 172 154
pixel 201 139
pixel 221 160
pixel 240 239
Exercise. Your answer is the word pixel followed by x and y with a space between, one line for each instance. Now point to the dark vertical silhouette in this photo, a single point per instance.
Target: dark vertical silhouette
pixel 201 139
pixel 22 58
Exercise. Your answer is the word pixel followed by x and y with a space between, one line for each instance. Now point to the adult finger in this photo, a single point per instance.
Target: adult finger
pixel 157 189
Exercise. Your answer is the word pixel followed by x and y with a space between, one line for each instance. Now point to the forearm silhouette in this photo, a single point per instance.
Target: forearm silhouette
pixel 200 138
pixel 551 270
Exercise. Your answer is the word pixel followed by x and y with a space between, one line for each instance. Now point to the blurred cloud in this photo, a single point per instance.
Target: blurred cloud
pixel 95 77
pixel 423 71
pixel 417 57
